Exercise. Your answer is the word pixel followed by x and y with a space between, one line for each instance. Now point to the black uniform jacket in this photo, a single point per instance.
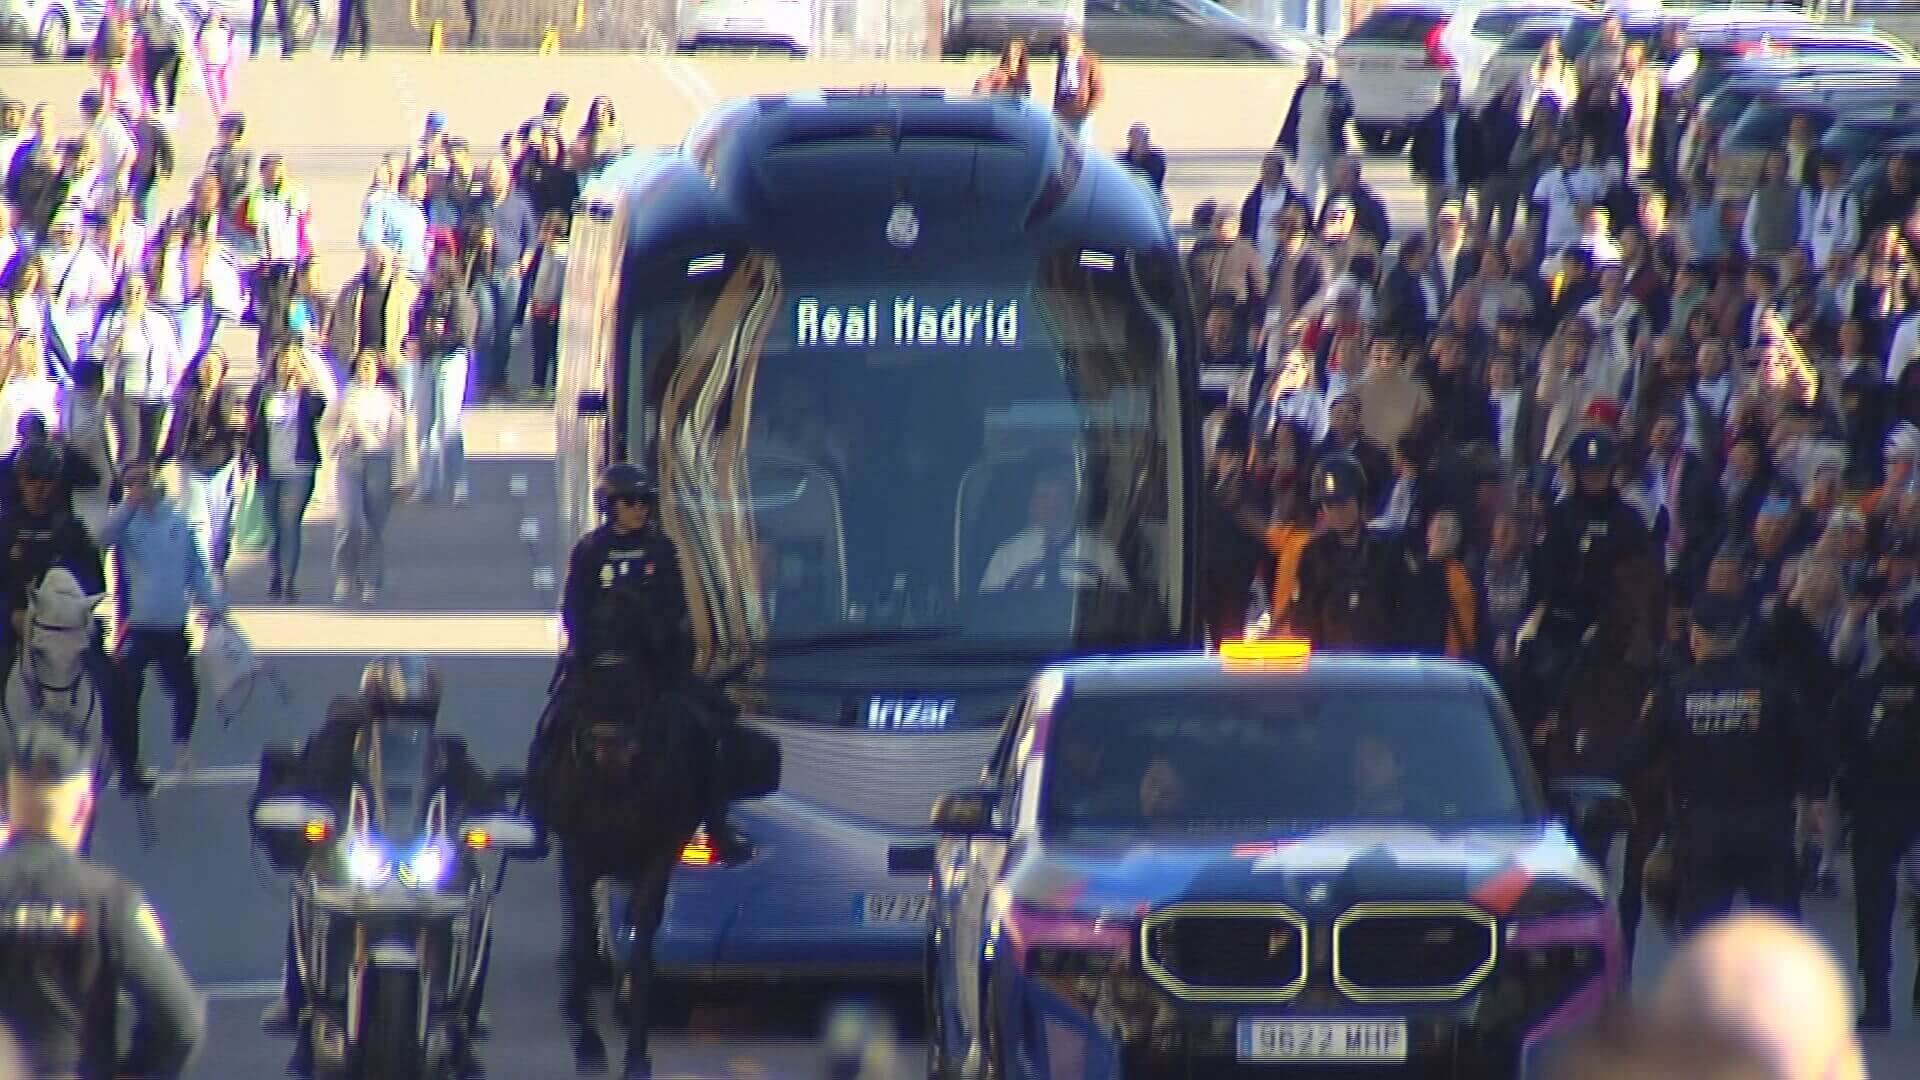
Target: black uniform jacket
pixel 73 935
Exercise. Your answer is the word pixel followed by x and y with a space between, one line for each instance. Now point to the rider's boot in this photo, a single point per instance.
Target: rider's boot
pixel 467 1064
pixel 638 1067
pixel 730 847
pixel 589 1051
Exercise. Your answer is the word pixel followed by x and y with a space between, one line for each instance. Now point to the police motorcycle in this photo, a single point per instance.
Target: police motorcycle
pixel 392 903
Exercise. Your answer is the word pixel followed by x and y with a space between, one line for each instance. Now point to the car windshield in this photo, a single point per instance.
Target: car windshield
pixel 1396 26
pixel 1529 40
pixel 1261 757
pixel 1498 24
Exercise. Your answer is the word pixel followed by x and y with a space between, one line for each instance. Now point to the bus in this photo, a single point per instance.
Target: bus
pixel 914 375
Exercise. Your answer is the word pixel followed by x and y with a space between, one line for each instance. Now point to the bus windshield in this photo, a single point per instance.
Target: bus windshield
pixel 973 462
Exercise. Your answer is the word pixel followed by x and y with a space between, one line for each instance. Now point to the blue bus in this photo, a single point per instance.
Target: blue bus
pixel 914 374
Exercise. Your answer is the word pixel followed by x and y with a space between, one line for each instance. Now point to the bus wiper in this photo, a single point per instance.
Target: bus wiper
pixel 836 639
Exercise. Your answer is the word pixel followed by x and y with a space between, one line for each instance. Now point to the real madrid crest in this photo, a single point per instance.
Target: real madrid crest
pixel 903 226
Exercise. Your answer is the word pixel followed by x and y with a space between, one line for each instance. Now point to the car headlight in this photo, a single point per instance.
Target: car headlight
pixel 427 867
pixel 367 864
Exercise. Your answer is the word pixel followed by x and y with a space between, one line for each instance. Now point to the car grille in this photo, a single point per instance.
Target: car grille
pixel 1387 953
pixel 1220 952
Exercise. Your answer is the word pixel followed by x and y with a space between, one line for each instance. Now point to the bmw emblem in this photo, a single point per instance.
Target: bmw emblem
pixel 903 226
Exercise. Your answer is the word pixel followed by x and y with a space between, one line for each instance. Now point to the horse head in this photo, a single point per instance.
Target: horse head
pixel 59 629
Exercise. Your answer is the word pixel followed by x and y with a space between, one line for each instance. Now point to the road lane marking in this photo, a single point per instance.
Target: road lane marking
pixel 213 776
pixel 242 991
pixel 543 577
pixel 530 530
pixel 277 631
pixel 517 485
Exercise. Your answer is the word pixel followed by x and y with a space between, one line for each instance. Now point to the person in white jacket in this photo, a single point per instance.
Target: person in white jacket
pixel 1829 217
pixel 27 389
pixel 139 347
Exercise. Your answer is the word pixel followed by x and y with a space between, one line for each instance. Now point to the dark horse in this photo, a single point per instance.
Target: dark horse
pixel 615 774
pixel 1594 714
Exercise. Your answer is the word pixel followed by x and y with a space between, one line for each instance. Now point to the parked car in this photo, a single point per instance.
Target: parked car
pixel 1186 30
pixel 59 29
pixel 1719 110
pixel 1394 61
pixel 1857 139
pixel 987 25
pixel 1763 126
pixel 786 25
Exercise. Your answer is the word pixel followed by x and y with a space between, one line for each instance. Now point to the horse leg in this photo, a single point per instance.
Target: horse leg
pixel 579 952
pixel 1641 840
pixel 646 908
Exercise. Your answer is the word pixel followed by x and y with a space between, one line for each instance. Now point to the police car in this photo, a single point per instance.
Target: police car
pixel 1198 865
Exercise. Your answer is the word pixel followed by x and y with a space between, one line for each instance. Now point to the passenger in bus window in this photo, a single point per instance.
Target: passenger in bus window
pixel 1053 551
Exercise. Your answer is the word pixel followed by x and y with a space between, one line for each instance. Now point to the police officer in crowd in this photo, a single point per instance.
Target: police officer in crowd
pixel 1590 535
pixel 74 936
pixel 38 531
pixel 1878 718
pixel 1341 601
pixel 623 605
pixel 1737 753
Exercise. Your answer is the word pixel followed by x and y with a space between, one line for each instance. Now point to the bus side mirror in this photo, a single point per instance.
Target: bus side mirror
pixel 591 403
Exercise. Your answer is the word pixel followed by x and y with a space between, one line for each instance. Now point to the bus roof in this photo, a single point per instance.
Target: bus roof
pixel 809 165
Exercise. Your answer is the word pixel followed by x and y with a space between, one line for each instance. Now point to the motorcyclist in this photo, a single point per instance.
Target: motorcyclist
pixel 396 690
pixel 623 605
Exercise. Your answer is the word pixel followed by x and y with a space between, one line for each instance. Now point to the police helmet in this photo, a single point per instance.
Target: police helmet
pixel 39 461
pixel 1338 477
pixel 624 480
pixel 1593 450
pixel 401 688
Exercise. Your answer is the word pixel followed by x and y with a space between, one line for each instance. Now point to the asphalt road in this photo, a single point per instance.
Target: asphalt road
pixel 472 585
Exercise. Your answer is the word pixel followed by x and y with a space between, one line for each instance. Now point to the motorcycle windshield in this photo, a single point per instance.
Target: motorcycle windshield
pixel 398 768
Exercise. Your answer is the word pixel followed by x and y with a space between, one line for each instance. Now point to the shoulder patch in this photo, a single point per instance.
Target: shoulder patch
pixel 150 923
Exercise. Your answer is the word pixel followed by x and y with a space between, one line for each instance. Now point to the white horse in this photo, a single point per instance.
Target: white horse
pixel 50 680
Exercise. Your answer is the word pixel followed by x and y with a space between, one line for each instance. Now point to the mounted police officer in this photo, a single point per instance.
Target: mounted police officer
pixel 1738 754
pixel 1590 535
pixel 1342 601
pixel 1878 717
pixel 623 606
pixel 74 936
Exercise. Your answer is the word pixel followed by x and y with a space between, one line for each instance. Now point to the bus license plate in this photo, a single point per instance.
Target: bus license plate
pixel 1323 1040
pixel 894 907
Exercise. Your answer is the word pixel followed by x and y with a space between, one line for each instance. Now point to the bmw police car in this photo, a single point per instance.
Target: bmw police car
pixel 1263 862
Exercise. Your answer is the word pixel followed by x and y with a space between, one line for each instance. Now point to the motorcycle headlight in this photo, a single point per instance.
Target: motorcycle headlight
pixel 427 867
pixel 367 864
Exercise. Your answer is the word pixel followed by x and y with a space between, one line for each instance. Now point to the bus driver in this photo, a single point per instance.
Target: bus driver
pixel 1053 551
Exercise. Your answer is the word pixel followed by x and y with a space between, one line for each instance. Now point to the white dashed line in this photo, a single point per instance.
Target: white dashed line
pixel 543 577
pixel 517 486
pixel 215 776
pixel 530 530
pixel 240 991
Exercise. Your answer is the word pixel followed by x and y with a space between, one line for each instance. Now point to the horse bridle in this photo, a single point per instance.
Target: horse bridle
pixel 31 672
